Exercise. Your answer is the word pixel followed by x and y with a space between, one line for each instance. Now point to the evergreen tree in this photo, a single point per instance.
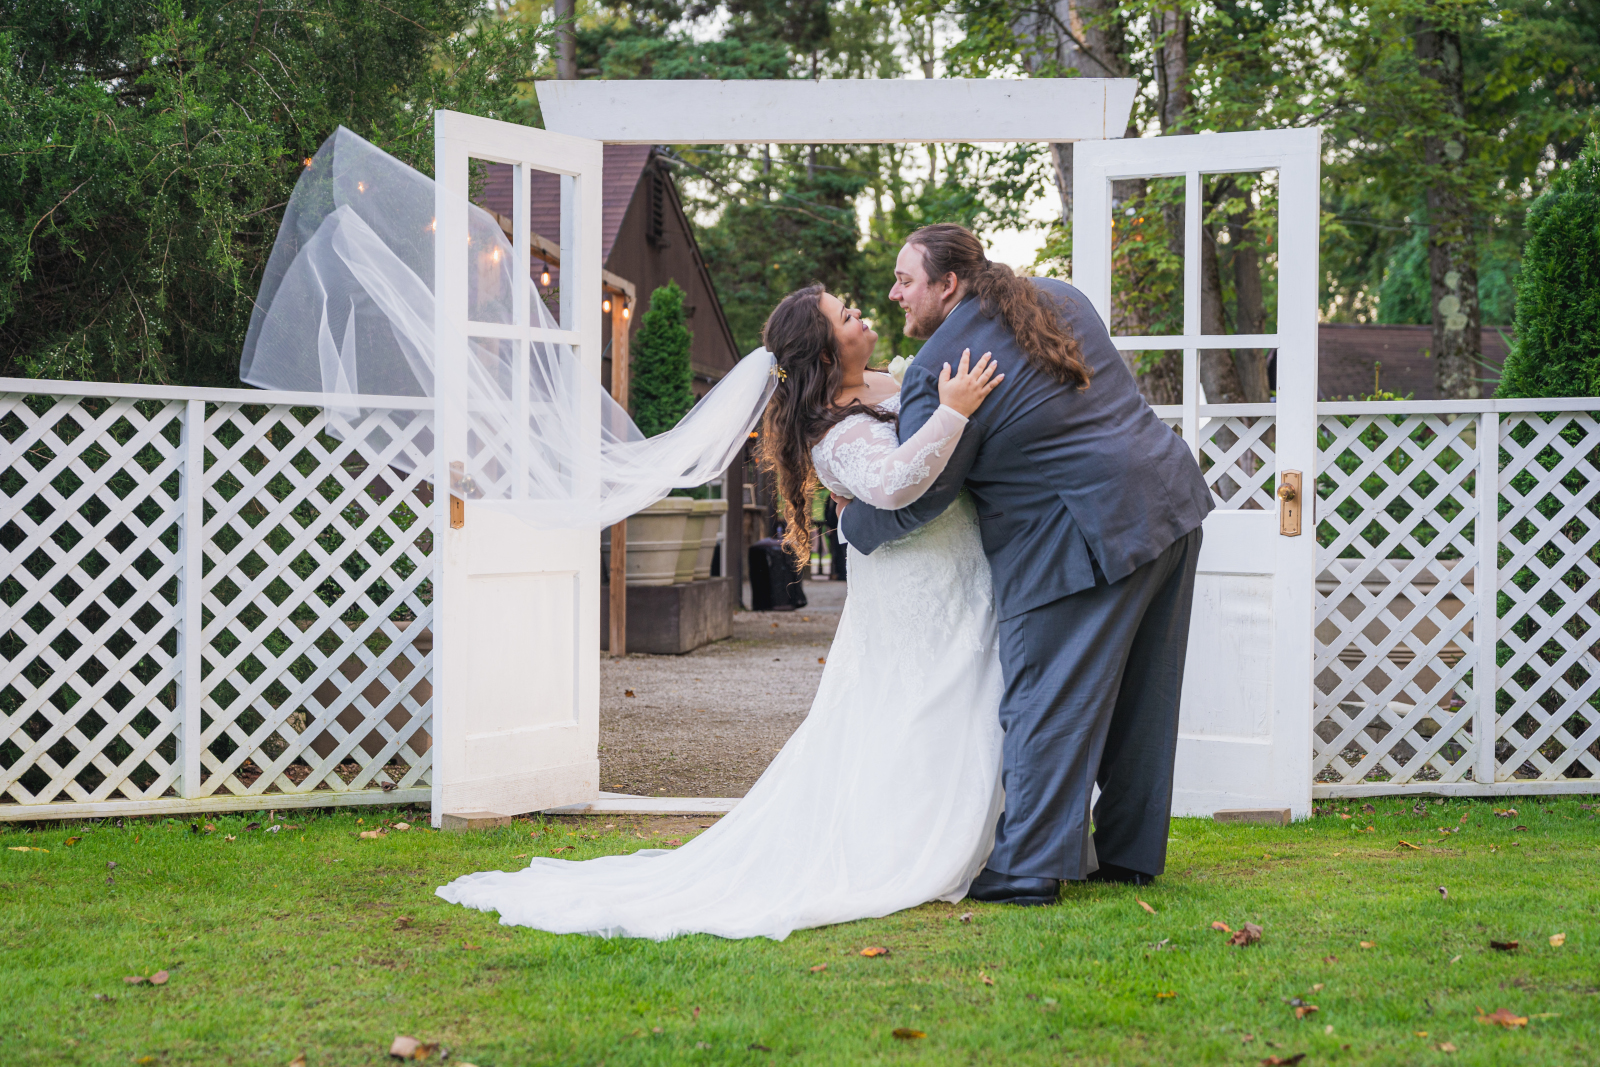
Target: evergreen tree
pixel 662 389
pixel 1557 347
pixel 148 147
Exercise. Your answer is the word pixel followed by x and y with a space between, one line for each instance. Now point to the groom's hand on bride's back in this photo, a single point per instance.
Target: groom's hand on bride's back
pixel 966 388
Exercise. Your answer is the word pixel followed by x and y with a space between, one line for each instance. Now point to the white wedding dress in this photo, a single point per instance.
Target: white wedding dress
pixel 887 795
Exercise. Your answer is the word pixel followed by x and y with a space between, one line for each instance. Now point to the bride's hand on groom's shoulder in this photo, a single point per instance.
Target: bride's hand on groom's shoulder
pixel 965 389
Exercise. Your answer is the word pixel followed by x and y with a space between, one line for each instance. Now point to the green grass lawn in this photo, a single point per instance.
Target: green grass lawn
pixel 312 940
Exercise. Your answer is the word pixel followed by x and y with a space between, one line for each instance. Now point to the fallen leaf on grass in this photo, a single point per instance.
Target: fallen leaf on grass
pixel 298 1061
pixel 409 1048
pixel 1420 1033
pixel 402 922
pixel 102 997
pixel 1283 1061
pixel 1557 940
pixel 1445 1046
pixel 1369 944
pixel 1505 813
pixel 1145 906
pixel 1224 927
pixel 985 979
pixel 1248 934
pixel 562 848
pixel 753 1047
pixel 26 848
pixel 470 947
pixel 159 978
pixel 673 841
pixel 1330 959
pixel 1343 816
pixel 135 979
pixel 965 917
pixel 627 692
pixel 1302 1010
pixel 230 837
pixel 1504 946
pixel 1502 1018
pixel 249 827
pixel 907 1034
pixel 372 835
pixel 1368 807
pixel 1166 996
pixel 874 950
pixel 397 826
pixel 1519 828
pixel 819 967
pixel 1245 1039
pixel 1408 844
pixel 1444 894
pixel 72 841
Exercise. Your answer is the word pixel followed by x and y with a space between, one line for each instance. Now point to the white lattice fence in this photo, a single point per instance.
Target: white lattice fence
pixel 257 635
pixel 1412 693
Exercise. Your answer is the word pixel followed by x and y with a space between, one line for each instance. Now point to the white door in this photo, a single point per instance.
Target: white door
pixel 517 650
pixel 1244 733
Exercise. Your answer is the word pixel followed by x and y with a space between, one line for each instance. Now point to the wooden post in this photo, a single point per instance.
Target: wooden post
pixel 620 370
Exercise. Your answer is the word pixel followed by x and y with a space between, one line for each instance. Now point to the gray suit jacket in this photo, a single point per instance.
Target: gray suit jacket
pixel 1065 481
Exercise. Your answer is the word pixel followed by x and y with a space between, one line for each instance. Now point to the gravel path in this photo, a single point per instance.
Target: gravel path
pixel 707 724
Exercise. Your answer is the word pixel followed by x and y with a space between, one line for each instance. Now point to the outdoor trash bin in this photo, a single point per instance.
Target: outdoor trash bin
pixel 774 578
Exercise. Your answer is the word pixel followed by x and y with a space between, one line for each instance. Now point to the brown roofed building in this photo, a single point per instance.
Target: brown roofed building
pixel 645 238
pixel 1347 355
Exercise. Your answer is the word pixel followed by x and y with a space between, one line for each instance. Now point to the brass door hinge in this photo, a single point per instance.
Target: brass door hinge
pixel 1289 504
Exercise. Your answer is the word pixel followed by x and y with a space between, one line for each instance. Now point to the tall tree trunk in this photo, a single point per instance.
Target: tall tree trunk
pixel 1073 35
pixel 1169 31
pixel 1250 314
pixel 1452 254
pixel 567 42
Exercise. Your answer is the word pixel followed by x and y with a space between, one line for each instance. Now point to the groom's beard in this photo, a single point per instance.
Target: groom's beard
pixel 922 322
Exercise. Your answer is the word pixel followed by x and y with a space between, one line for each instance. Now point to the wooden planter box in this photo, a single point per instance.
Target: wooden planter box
pixel 673 619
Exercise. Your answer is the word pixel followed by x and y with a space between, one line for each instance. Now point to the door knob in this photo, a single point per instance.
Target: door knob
pixel 1286 492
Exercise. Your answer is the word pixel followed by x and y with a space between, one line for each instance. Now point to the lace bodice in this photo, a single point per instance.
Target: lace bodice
pixel 863 459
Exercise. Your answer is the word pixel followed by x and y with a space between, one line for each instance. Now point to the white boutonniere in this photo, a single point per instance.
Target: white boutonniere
pixel 897 368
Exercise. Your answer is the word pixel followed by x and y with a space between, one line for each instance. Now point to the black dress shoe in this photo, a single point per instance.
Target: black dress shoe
pixel 1110 872
pixel 992 887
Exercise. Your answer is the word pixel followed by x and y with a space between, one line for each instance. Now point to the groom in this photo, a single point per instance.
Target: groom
pixel 1090 509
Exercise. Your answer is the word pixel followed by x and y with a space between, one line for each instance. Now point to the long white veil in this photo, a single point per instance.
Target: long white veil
pixel 346 309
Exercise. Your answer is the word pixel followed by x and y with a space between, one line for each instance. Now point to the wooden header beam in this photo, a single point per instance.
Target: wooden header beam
pixel 839 110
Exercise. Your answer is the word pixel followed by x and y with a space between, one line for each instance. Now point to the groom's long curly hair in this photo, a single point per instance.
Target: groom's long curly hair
pixel 802 410
pixel 1028 311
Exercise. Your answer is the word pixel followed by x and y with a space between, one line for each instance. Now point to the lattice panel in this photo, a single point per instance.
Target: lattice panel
pixel 90 532
pixel 1395 603
pixel 317 605
pixel 1236 454
pixel 1548 723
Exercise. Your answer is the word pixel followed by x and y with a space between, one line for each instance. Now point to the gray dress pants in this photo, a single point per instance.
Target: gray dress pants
pixel 1092 685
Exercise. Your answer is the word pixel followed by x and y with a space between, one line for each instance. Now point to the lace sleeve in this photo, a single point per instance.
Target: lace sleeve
pixel 861 458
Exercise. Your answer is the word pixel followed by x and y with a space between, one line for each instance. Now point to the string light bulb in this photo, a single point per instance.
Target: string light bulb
pixel 495 255
pixel 605 305
pixel 627 311
pixel 361 187
pixel 544 278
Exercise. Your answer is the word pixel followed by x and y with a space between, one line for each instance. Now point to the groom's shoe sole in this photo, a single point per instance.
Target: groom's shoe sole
pixel 1020 901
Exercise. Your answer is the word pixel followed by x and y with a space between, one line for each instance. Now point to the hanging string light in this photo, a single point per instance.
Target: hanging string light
pixel 605 305
pixel 544 276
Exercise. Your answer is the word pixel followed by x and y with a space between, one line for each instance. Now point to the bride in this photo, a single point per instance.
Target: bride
pixel 886 797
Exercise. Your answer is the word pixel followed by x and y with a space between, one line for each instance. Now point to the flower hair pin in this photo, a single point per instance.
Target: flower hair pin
pixel 779 373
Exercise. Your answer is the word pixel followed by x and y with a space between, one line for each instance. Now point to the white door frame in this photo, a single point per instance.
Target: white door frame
pixel 909 111
pixel 524 737
pixel 1241 547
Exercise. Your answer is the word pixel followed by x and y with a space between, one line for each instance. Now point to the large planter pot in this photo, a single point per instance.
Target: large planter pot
pixel 689 551
pixel 708 537
pixel 655 541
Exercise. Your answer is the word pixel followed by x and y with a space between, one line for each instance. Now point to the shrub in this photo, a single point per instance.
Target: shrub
pixel 663 381
pixel 1557 347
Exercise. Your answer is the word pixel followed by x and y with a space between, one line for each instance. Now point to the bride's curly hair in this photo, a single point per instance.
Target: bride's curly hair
pixel 802 408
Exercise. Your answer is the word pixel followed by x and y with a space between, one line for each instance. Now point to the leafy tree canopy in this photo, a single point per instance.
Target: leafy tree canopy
pixel 148 147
